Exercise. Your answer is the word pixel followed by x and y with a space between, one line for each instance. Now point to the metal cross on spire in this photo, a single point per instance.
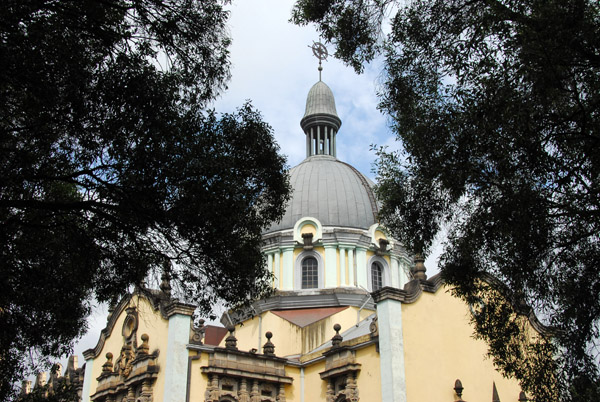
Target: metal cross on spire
pixel 320 52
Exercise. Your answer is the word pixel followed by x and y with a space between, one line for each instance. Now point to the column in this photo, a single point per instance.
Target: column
pixel 394 270
pixel 307 143
pixel 318 140
pixel 351 267
pixel 287 278
pixel 276 270
pixel 177 359
pixel 391 350
pixel 361 267
pixel 330 266
pixel 334 143
pixel 343 278
pixel 270 263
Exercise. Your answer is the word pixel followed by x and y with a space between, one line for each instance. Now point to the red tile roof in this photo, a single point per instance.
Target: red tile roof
pixel 213 335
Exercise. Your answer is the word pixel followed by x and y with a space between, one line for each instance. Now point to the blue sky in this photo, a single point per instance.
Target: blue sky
pixel 273 66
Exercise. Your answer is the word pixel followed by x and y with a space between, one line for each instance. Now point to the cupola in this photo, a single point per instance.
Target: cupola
pixel 320 122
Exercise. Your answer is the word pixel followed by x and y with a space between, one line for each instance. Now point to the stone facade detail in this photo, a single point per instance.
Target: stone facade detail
pixel 234 375
pixel 340 372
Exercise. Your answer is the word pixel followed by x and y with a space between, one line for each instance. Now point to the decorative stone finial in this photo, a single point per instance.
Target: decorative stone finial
pixel 198 332
pixel 269 348
pixel 165 285
pixel 522 397
pixel 231 340
pixel 419 269
pixel 458 388
pixel 107 367
pixel 337 338
pixel 144 348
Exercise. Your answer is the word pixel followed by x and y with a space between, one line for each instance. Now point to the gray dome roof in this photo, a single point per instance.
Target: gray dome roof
pixel 320 100
pixel 330 190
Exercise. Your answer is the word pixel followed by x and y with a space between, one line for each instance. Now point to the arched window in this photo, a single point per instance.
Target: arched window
pixel 376 276
pixel 310 273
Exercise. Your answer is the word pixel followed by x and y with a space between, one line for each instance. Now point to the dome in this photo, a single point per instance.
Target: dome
pixel 320 100
pixel 332 191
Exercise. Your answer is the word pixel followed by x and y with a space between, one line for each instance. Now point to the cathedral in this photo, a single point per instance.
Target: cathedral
pixel 353 316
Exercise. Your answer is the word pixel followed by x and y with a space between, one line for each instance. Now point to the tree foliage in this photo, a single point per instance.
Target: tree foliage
pixel 111 163
pixel 496 104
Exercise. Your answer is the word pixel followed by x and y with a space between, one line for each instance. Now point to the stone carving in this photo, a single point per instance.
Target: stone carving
pixel 125 361
pixel 132 377
pixel 198 332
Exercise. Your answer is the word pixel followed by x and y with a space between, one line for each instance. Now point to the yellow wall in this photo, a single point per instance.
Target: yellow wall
pixel 439 348
pixel 290 339
pixel 315 389
pixel 369 377
pixel 149 322
pixel 198 381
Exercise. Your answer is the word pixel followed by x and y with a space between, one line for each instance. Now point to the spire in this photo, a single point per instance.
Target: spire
pixel 320 122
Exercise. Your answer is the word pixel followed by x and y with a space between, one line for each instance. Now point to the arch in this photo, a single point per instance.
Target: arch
pixel 376 227
pixel 307 220
pixel 305 262
pixel 378 273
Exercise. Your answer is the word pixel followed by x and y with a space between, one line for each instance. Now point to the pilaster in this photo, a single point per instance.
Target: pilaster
pixel 177 359
pixel 287 279
pixel 87 380
pixel 361 267
pixel 391 347
pixel 330 266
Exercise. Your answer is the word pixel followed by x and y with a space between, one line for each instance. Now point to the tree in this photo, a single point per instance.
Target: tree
pixel 496 104
pixel 112 164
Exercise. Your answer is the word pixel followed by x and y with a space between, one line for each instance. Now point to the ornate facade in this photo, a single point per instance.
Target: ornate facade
pixel 353 318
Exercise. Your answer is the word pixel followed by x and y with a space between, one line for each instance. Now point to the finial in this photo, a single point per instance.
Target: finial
pixel 165 284
pixel 458 388
pixel 269 348
pixel 231 340
pixel 144 348
pixel 320 52
pixel 419 269
pixel 198 332
pixel 337 338
pixel 107 367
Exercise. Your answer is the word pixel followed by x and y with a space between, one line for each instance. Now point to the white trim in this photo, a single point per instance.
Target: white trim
pixel 177 359
pixel 331 278
pixel 375 227
pixel 287 258
pixel 307 220
pixel 361 267
pixel 87 380
pixel 385 274
pixel 391 351
pixel 298 269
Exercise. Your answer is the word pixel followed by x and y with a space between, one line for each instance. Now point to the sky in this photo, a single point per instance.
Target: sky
pixel 273 66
